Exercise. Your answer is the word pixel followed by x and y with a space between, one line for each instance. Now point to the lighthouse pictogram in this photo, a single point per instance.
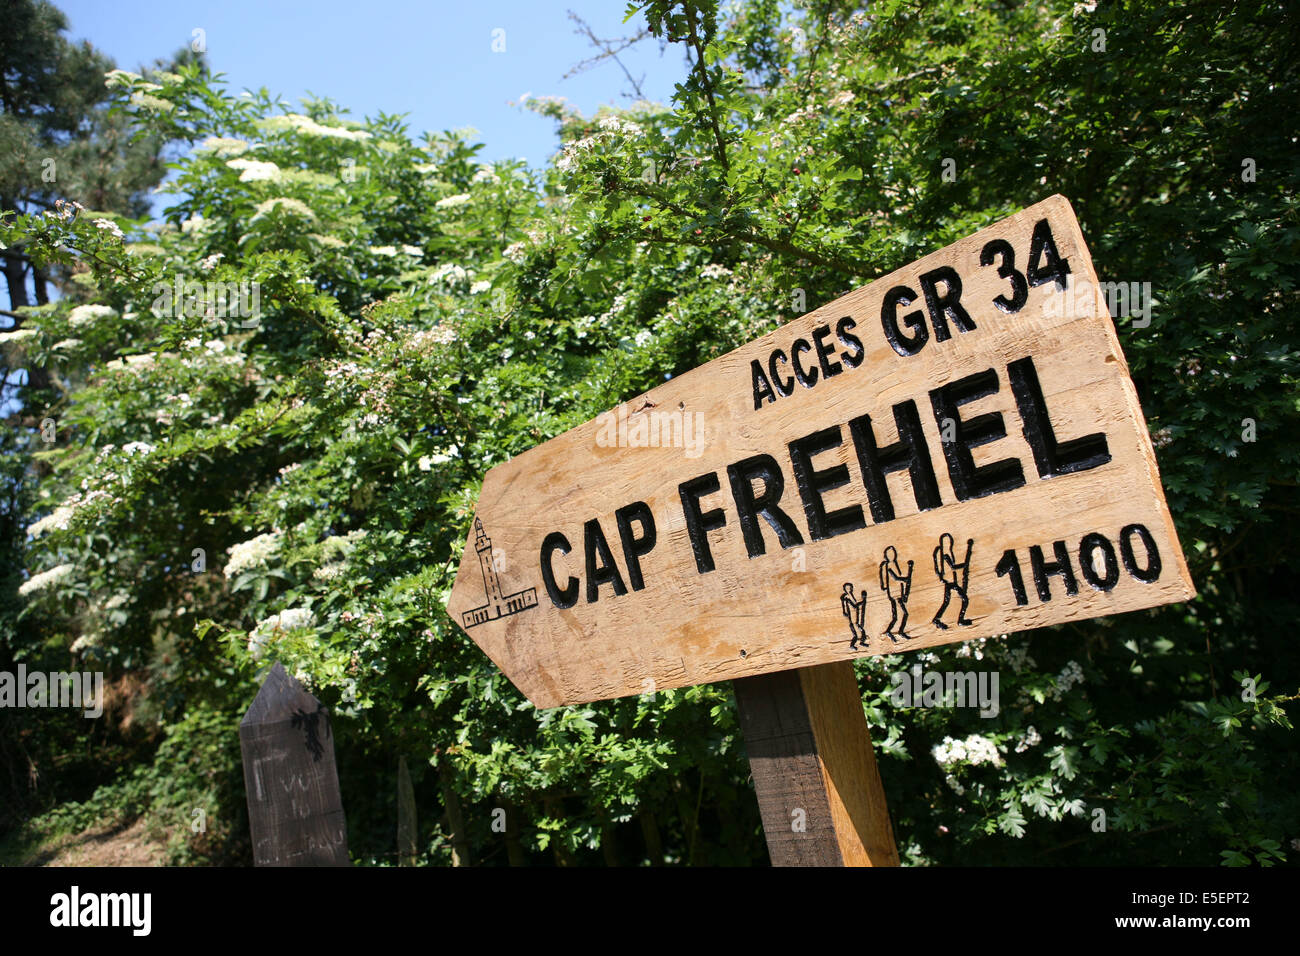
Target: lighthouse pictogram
pixel 497 605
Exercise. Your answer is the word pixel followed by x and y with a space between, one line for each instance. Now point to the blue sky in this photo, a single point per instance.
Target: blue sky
pixel 433 61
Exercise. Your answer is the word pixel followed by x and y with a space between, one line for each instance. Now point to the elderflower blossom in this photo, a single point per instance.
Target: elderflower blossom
pixel 714 270
pixel 267 628
pixel 255 170
pixel 18 335
pixel 140 447
pixel 449 272
pixel 57 520
pixel 283 204
pixel 120 78
pixel 309 127
pixel 251 554
pixel 38 582
pixel 330 572
pixel 451 202
pixel 516 252
pixel 88 314
pixel 224 146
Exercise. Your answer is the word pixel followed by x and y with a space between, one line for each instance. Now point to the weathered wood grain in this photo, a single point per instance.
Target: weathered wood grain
pixel 782 608
pixel 295 810
pixel 814 770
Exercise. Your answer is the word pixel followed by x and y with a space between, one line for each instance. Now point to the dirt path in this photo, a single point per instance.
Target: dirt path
pixel 112 845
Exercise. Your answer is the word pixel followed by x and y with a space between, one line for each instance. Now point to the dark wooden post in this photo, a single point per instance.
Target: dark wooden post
pixel 295 811
pixel 406 826
pixel 815 774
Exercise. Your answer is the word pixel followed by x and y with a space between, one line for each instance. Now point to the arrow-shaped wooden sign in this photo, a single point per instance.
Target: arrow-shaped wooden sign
pixel 951 452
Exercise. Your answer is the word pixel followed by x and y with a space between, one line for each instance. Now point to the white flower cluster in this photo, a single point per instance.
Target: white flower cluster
pixel 89 639
pixel 19 335
pixel 340 545
pixel 138 447
pixel 485 174
pixel 438 335
pixel 120 78
pixel 89 314
pixel 267 628
pixel 643 338
pixel 146 100
pixel 283 204
pixel 330 572
pixel 108 226
pixel 309 127
pixel 251 554
pixel 1032 738
pixel 57 519
pixel 224 146
pixel 613 124
pixel 427 462
pixel 1019 659
pixel 196 225
pixel 255 170
pixel 208 263
pixel 516 252
pixel 451 202
pixel 975 749
pixel 38 582
pixel 448 272
pixel 972 649
pixel 1070 675
pixel 714 270
pixel 384 250
pixel 479 287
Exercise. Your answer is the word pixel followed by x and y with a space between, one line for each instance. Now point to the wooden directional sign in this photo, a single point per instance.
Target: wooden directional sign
pixel 951 452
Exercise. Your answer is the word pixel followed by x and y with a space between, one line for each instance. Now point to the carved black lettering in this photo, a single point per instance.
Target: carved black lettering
pixel 844 332
pixel 561 597
pixel 699 524
pixel 749 506
pixel 635 548
pixel 909 452
pixel 604 572
pixel 903 344
pixel 1051 456
pixel 968 480
pixel 1043 569
pixel 813 484
pixel 941 307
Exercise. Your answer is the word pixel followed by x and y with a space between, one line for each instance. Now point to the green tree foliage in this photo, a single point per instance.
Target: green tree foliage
pixel 298 484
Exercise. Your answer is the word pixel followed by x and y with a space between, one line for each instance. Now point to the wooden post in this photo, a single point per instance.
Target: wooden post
pixel 406 820
pixel 815 774
pixel 295 810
